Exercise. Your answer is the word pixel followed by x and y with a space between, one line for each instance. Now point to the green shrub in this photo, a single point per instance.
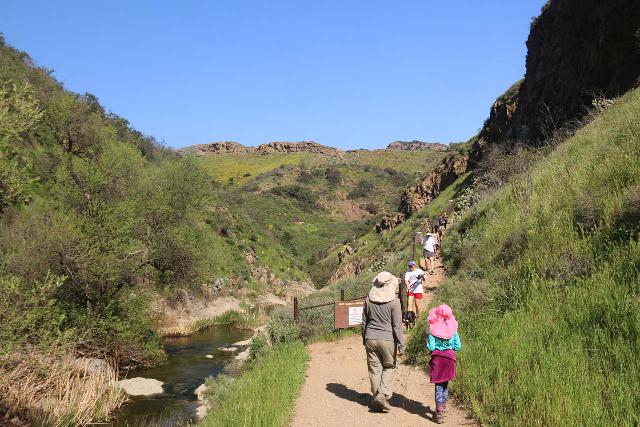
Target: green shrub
pixel 259 347
pixel 283 329
pixel 363 188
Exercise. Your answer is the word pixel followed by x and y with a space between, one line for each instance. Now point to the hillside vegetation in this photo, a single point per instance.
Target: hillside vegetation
pixel 100 225
pixel 546 283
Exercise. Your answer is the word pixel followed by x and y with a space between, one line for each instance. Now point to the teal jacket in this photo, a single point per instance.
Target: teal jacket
pixel 435 343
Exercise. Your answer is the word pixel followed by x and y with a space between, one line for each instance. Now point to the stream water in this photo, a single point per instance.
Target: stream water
pixel 186 368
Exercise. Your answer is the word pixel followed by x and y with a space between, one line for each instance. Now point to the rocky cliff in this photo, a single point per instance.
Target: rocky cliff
pixel 419 195
pixel 577 50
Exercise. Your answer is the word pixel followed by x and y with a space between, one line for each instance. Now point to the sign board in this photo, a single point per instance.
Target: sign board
pixel 347 314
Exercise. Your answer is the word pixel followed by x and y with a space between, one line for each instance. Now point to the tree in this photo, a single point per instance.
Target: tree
pixel 19 114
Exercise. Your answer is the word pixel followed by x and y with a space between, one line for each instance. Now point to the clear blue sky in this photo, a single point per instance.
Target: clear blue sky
pixel 346 73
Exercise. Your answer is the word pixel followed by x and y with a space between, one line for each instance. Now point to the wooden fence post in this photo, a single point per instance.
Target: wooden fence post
pixel 296 310
pixel 401 293
pixel 341 294
pixel 415 237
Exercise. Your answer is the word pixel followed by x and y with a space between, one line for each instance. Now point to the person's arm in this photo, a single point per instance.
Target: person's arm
pixel 364 321
pixel 396 325
pixel 431 342
pixel 456 343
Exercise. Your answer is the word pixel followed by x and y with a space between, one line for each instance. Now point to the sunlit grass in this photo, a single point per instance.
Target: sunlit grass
pixel 265 394
pixel 546 285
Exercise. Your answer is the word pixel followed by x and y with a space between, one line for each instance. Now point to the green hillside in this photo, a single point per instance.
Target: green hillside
pixel 545 279
pixel 308 203
pixel 99 221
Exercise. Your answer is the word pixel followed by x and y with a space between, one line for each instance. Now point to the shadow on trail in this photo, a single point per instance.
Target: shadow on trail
pixel 397 401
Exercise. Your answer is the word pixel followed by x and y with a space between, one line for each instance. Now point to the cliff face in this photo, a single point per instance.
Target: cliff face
pixel 577 50
pixel 419 195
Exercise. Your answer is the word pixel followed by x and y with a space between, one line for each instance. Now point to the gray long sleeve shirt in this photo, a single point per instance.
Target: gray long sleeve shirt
pixel 383 321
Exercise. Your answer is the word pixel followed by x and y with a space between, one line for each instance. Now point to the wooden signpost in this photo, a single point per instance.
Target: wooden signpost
pixel 348 314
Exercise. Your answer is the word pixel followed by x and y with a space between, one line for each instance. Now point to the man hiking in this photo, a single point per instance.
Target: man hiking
pixel 429 245
pixel 382 337
pixel 413 278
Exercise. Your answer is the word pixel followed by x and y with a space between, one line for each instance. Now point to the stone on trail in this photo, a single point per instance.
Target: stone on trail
pixel 141 386
pixel 209 356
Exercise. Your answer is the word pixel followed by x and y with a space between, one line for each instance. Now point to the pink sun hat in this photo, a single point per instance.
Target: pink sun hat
pixel 442 322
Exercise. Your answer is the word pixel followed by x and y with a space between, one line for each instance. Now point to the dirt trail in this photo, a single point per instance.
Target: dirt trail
pixel 337 391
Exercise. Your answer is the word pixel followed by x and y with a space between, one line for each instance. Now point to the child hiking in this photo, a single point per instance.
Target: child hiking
pixel 443 342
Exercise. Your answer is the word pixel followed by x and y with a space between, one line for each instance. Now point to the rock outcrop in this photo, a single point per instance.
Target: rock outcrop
pixel 390 221
pixel 419 195
pixel 577 50
pixel 227 147
pixel 230 147
pixel 417 145
pixel 298 147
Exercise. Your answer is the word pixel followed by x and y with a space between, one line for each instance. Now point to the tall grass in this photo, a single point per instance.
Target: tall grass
pixel 547 285
pixel 264 395
pixel 232 318
pixel 57 391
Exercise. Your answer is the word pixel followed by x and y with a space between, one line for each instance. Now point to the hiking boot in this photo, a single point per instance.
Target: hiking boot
pixel 380 401
pixel 439 417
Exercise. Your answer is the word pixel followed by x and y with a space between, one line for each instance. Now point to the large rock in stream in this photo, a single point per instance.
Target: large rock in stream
pixel 141 386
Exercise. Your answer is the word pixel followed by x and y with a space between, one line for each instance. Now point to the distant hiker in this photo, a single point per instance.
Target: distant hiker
pixel 413 278
pixel 441 226
pixel 443 342
pixel 429 246
pixel 382 337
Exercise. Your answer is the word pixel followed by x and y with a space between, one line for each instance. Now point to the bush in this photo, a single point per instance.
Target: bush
pixel 283 329
pixel 333 176
pixel 259 346
pixel 303 195
pixel 362 189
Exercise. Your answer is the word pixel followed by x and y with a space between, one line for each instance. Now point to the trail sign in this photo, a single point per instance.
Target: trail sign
pixel 348 314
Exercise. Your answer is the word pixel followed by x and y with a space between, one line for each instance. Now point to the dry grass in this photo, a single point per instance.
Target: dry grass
pixel 233 318
pixel 57 391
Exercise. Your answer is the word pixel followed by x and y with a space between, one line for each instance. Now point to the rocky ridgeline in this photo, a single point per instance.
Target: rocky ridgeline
pixel 231 147
pixel 417 145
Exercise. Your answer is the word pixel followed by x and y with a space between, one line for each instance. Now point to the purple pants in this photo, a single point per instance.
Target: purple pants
pixel 442 395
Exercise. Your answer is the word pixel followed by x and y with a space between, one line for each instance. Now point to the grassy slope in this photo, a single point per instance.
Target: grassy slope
pixel 546 285
pixel 288 235
pixel 264 395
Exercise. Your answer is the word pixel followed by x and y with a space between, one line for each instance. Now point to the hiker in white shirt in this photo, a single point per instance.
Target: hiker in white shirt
pixel 429 245
pixel 413 278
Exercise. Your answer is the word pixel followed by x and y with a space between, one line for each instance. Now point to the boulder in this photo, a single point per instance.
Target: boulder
pixel 139 386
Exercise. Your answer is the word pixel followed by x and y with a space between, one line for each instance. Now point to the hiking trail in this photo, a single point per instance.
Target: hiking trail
pixel 336 391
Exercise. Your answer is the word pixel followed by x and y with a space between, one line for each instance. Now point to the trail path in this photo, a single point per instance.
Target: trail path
pixel 337 391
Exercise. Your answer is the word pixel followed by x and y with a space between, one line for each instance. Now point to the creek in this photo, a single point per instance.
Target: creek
pixel 186 368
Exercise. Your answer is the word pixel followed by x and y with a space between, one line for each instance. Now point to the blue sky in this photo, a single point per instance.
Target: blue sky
pixel 345 73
